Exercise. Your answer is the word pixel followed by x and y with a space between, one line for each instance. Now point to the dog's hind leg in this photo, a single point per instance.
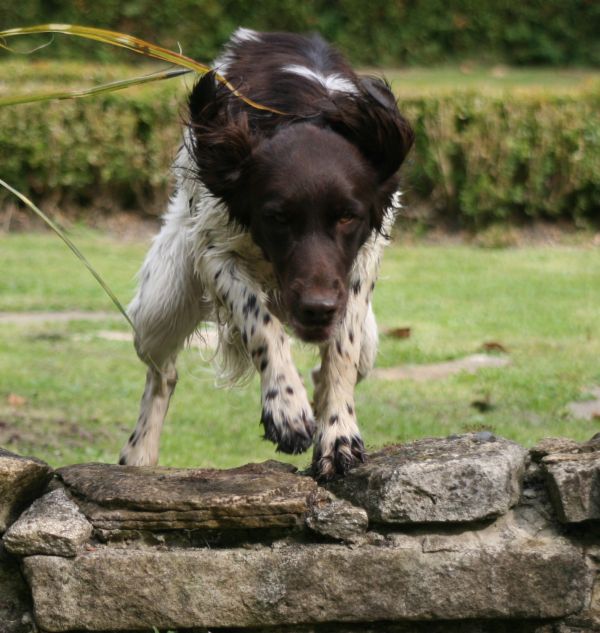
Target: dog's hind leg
pixel 165 311
pixel 142 446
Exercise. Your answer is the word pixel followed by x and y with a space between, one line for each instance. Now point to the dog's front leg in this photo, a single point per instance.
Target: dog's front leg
pixel 339 446
pixel 287 416
pixel 345 359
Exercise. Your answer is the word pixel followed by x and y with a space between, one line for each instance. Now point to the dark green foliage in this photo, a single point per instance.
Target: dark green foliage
pixel 484 158
pixel 112 150
pixel 480 156
pixel 379 32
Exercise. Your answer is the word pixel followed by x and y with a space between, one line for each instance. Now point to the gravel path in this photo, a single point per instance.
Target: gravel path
pixel 433 371
pixel 45 317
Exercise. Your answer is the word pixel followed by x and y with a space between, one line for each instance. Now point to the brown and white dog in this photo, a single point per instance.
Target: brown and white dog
pixel 277 220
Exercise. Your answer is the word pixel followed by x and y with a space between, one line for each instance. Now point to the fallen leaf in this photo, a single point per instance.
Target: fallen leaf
pixel 483 405
pixel 15 400
pixel 494 346
pixel 399 332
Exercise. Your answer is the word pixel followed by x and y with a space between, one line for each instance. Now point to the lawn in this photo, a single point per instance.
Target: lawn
pixel 24 75
pixel 67 394
pixel 410 81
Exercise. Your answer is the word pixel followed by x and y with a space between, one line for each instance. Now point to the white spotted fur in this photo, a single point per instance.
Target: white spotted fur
pixel 177 291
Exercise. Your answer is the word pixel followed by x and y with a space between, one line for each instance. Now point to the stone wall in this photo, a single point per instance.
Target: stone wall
pixel 471 534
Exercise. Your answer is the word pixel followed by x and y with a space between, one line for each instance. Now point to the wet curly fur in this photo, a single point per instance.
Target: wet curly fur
pixel 278 221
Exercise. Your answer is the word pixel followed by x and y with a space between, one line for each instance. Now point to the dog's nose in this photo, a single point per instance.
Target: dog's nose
pixel 317 309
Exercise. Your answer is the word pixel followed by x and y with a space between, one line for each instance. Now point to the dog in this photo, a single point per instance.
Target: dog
pixel 277 223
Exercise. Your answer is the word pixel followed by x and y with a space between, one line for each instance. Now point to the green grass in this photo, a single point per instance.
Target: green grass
pixel 46 276
pixel 22 75
pixel 82 391
pixel 407 82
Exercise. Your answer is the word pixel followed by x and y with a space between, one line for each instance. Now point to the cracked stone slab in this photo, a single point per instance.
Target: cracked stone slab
pixel 461 478
pixel 290 584
pixel 574 485
pixel 563 445
pixel 267 495
pixel 21 480
pixel 446 626
pixel 551 445
pixel 15 598
pixel 52 525
pixel 336 518
pixel 589 618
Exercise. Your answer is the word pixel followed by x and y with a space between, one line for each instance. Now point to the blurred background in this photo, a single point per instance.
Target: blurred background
pixel 496 253
pixel 503 96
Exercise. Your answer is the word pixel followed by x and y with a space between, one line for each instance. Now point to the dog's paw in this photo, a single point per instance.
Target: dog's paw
pixel 287 419
pixel 132 457
pixel 138 452
pixel 335 459
pixel 292 435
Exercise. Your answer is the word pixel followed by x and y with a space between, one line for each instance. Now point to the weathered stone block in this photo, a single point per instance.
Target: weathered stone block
pixel 445 626
pixel 589 618
pixel 21 480
pixel 462 478
pixel 52 524
pixel 268 495
pixel 15 598
pixel 130 589
pixel 574 485
pixel 550 445
pixel 336 518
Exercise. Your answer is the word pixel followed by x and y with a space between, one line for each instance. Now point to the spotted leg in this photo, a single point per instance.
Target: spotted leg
pixel 346 359
pixel 286 416
pixel 167 307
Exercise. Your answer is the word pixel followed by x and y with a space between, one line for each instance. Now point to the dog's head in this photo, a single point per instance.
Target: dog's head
pixel 310 190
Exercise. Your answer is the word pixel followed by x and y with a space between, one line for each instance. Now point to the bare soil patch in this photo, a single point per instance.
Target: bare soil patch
pixel 24 318
pixel 436 371
pixel 24 429
pixel 587 409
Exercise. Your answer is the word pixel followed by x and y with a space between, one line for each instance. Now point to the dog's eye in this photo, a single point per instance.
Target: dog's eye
pixel 346 219
pixel 275 215
pixel 280 218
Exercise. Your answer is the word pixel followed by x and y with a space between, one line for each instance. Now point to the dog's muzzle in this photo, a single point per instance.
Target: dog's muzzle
pixel 314 315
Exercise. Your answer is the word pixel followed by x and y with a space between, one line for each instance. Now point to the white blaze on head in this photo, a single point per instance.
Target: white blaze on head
pixel 245 35
pixel 333 82
pixel 222 63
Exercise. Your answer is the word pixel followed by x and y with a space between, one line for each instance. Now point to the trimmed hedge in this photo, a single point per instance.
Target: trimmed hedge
pixel 551 32
pixel 479 157
pixel 486 158
pixel 110 151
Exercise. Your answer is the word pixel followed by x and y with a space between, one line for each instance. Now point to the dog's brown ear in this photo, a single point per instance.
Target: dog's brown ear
pixel 221 143
pixel 373 123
